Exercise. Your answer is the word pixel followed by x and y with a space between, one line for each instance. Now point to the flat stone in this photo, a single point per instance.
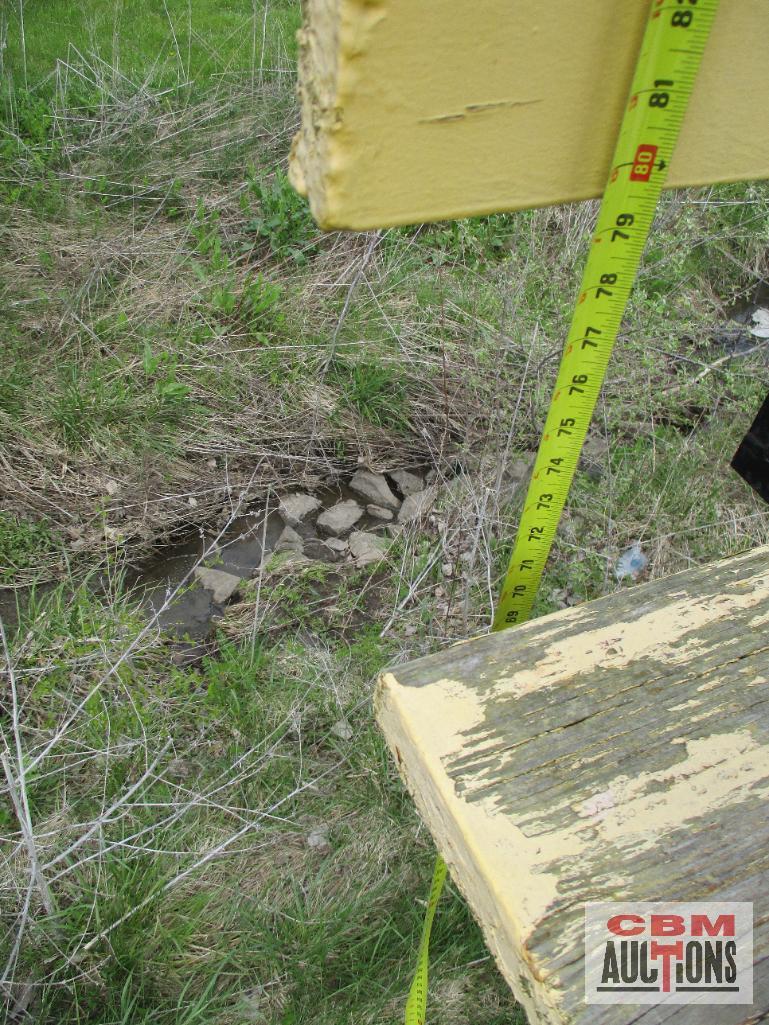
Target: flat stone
pixel 416 505
pixel 289 541
pixel 336 544
pixel 366 548
pixel 379 512
pixel 408 482
pixel 342 729
pixel 318 551
pixel 297 507
pixel 221 585
pixel 340 517
pixel 318 838
pixel 374 488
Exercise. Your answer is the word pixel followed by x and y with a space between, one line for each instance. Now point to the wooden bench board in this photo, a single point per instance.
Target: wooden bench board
pixel 618 750
pixel 419 111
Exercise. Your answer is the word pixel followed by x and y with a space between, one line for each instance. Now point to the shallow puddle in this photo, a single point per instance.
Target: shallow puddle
pixel 191 612
pixel 165 584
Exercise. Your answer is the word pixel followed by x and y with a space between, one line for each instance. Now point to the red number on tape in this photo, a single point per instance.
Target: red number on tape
pixel 643 163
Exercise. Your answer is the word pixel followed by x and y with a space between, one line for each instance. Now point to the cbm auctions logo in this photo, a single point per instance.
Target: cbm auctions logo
pixel 653 953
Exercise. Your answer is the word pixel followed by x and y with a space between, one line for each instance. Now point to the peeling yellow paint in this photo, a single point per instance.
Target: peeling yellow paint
pixel 511 883
pixel 650 636
pixel 719 769
pixel 511 862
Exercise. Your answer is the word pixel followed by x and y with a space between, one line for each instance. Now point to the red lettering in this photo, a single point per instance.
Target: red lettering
pixel 667 925
pixel 615 925
pixel 702 926
pixel 667 951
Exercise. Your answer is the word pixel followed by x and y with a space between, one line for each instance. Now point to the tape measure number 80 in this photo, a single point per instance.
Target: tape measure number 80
pixel 673 44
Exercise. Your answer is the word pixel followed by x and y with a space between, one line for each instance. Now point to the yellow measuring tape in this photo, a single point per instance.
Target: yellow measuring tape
pixel 672 47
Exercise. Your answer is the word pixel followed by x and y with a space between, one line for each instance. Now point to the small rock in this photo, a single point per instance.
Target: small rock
pixel 416 505
pixel 112 487
pixel 297 507
pixel 336 544
pixel 374 488
pixel 760 326
pixel 318 839
pixel 342 729
pixel 515 476
pixel 379 512
pixel 631 563
pixel 221 585
pixel 289 541
pixel 340 517
pixel 447 569
pixel 408 482
pixel 366 548
pixel 211 464
pixel 192 502
pixel 179 767
pixel 318 551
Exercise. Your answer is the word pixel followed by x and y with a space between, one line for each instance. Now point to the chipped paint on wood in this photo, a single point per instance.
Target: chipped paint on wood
pixel 619 749
pixel 421 111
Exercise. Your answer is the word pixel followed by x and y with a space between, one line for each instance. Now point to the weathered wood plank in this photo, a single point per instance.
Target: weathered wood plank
pixel 420 111
pixel 614 751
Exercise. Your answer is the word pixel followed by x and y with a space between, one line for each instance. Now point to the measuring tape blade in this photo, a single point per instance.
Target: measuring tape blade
pixel 416 1005
pixel 673 44
pixel 672 47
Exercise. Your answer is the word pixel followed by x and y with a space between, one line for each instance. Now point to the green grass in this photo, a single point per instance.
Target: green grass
pixel 179 333
pixel 239 754
pixel 165 45
pixel 25 546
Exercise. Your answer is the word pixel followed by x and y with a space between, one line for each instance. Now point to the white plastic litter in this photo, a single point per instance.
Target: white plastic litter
pixel 631 563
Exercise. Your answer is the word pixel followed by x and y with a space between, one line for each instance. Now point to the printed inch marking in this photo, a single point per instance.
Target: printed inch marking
pixel 658 97
pixel 643 163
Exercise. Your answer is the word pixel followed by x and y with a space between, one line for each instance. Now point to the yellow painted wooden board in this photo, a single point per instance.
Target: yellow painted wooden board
pixel 418 110
pixel 614 751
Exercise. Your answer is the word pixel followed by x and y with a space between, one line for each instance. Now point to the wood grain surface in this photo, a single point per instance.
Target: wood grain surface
pixel 618 750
